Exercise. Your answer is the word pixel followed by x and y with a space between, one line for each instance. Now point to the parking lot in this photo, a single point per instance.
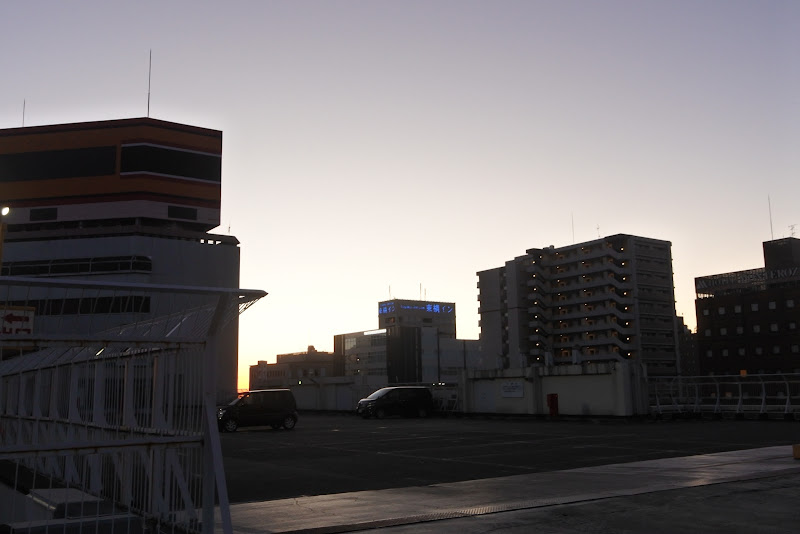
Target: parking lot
pixel 335 453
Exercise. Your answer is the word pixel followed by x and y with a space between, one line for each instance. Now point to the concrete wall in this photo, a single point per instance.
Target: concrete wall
pixel 598 389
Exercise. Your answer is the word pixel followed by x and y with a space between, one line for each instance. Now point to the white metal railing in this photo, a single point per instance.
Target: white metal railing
pixel 107 406
pixel 768 395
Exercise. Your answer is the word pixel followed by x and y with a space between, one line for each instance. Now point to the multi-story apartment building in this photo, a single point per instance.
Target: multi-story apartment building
pixel 128 200
pixel 605 299
pixel 749 321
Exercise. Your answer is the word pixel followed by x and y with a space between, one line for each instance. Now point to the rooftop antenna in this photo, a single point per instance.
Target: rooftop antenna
pixel 23 112
pixel 572 216
pixel 772 235
pixel 791 230
pixel 149 76
pixel 598 230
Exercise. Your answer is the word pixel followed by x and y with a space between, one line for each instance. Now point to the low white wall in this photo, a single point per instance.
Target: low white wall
pixel 607 388
pixel 599 389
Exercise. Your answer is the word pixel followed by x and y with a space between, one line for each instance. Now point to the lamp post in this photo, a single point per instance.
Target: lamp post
pixel 3 212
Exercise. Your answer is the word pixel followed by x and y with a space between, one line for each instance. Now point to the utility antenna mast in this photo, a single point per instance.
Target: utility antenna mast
pixel 23 112
pixel 149 76
pixel 769 203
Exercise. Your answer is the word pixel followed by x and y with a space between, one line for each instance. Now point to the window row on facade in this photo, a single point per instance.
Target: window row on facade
pixel 753 307
pixel 755 329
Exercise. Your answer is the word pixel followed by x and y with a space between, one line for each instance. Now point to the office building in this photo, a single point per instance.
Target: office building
pixel 607 299
pixel 747 321
pixel 128 200
pixel 415 343
pixel 310 363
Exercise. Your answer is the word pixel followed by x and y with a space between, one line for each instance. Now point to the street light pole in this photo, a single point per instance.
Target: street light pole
pixel 3 212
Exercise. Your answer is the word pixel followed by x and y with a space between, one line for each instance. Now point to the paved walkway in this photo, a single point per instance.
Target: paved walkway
pixel 582 498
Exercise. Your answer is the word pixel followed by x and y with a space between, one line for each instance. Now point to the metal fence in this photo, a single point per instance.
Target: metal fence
pixel 764 396
pixel 107 406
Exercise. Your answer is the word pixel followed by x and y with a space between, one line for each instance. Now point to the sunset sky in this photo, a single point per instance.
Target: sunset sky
pixel 375 148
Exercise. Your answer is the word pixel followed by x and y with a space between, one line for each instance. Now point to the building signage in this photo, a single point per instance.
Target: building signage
pixel 753 277
pixel 512 389
pixel 16 320
pixel 780 274
pixel 430 307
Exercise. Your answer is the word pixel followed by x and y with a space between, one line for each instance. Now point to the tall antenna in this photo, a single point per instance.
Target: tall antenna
pixel 23 112
pixel 772 235
pixel 149 76
pixel 572 216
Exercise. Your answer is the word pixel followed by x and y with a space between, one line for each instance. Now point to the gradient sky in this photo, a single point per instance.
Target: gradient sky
pixel 370 145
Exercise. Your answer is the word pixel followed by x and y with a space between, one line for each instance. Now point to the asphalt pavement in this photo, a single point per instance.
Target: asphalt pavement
pixel 338 473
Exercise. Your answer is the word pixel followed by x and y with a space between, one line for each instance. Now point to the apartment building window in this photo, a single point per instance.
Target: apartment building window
pixel 776 349
pixel 721 310
pixel 773 327
pixel 723 331
pixel 754 306
pixel 740 330
pixel 795 349
pixel 737 308
pixel 741 352
pixel 756 329
pixel 724 352
pixel 709 354
pixel 772 305
pixel 792 326
pixel 759 351
pixel 708 332
pixel 705 312
pixel 790 303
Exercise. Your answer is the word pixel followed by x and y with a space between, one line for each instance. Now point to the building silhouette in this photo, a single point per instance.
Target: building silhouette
pixel 747 321
pixel 607 299
pixel 295 366
pixel 415 343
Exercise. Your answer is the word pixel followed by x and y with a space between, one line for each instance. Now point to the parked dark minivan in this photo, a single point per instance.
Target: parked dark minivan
pixel 274 407
pixel 397 400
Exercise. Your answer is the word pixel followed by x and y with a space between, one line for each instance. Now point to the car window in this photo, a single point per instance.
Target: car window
pixel 379 393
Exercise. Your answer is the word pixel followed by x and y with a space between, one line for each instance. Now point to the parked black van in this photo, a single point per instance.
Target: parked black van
pixel 274 407
pixel 397 400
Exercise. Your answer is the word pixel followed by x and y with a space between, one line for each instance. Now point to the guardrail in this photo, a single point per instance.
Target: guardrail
pixel 761 396
pixel 107 406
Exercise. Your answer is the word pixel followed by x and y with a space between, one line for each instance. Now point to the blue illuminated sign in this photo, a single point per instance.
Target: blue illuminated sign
pixel 430 307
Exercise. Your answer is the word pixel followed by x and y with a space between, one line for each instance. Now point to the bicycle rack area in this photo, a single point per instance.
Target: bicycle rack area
pixel 772 396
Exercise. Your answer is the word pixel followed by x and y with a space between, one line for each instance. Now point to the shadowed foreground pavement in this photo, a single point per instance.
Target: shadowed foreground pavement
pixel 753 490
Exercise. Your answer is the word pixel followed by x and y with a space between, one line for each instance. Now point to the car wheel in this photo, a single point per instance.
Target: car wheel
pixel 289 422
pixel 381 413
pixel 422 412
pixel 230 425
